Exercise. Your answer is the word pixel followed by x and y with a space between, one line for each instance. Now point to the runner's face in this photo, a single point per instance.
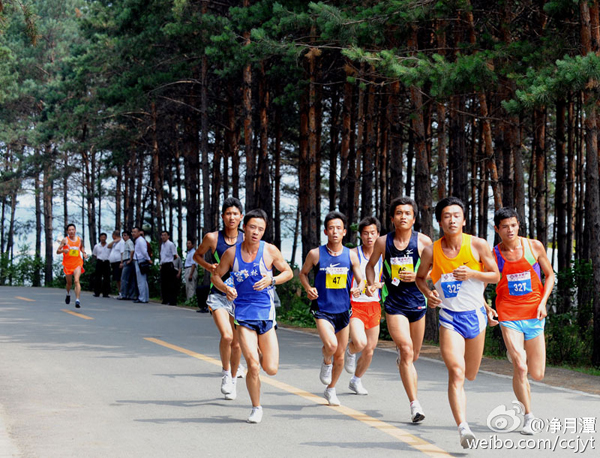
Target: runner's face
pixel 255 229
pixel 404 217
pixel 369 235
pixel 508 229
pixel 453 220
pixel 232 217
pixel 335 230
pixel 71 231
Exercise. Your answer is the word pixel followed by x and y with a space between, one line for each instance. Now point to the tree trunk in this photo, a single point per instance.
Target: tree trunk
pixel 248 146
pixel 37 275
pixel 48 187
pixel 333 148
pixel 278 175
pixel 264 196
pixel 396 146
pixel 540 175
pixel 347 134
pixel 368 154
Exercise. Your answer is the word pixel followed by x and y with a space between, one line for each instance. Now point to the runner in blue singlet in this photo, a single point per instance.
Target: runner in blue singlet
pixel 251 264
pixel 334 265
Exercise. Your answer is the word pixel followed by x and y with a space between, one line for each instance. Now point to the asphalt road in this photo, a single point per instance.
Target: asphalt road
pixel 117 379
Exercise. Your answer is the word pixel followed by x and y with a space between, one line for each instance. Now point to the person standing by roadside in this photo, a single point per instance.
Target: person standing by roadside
pixel 116 251
pixel 190 270
pixel 168 253
pixel 102 253
pixel 142 262
pixel 71 247
pixel 128 283
pixel 178 268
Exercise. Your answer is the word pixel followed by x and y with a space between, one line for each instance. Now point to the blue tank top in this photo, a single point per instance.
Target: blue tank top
pixel 251 304
pixel 222 247
pixel 333 281
pixel 402 295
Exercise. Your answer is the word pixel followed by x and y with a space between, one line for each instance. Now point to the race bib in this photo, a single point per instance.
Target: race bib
pixel 519 284
pixel 336 277
pixel 450 285
pixel 74 252
pixel 403 264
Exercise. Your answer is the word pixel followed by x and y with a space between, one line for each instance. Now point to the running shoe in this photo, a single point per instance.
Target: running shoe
pixel 357 387
pixel 350 361
pixel 325 374
pixel 527 429
pixel 255 415
pixel 226 384
pixel 68 299
pixel 416 412
pixel 233 393
pixel 466 436
pixel 77 303
pixel 331 397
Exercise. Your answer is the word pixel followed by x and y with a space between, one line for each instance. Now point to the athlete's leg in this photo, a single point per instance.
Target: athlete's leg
pixel 249 345
pixel 236 350
pixel 221 318
pixel 399 329
pixel 76 275
pixel 327 335
pixel 358 337
pixel 515 344
pixel 417 332
pixel 452 348
pixel 269 349
pixel 338 356
pixel 69 282
pixel 474 355
pixel 536 356
pixel 366 356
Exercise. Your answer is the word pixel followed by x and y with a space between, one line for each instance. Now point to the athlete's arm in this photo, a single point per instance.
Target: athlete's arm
pixel 432 296
pixel 221 269
pixel 357 273
pixel 311 260
pixel 378 252
pixel 542 258
pixel 61 249
pixel 280 264
pixel 209 242
pixel 491 274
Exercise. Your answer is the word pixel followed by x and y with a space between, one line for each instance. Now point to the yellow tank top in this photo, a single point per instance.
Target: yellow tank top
pixel 458 296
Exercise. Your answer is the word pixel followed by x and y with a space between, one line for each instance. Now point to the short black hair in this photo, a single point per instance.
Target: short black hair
pixel 446 202
pixel 505 213
pixel 403 200
pixel 369 221
pixel 103 234
pixel 232 202
pixel 192 240
pixel 69 225
pixel 127 232
pixel 336 215
pixel 256 213
pixel 116 232
pixel 136 227
pixel 166 232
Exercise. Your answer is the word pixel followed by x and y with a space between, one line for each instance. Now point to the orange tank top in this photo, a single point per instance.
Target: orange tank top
pixel 72 254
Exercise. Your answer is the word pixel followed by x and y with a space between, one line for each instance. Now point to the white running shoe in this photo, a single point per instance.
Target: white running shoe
pixel 325 374
pixel 233 393
pixel 416 412
pixel 350 362
pixel 226 384
pixel 466 436
pixel 527 429
pixel 331 397
pixel 255 415
pixel 357 387
pixel 241 372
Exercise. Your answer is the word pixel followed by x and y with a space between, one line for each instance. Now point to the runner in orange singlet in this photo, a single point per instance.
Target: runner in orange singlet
pixel 71 248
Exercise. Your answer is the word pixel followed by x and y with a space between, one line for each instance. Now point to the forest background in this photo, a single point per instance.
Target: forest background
pixel 159 109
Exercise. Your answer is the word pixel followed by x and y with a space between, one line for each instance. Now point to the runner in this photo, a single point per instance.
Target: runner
pixel 72 248
pixel 461 266
pixel 521 304
pixel 220 307
pixel 405 306
pixel 366 311
pixel 334 264
pixel 251 263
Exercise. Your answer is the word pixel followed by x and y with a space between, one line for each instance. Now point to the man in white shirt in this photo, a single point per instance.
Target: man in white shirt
pixel 116 251
pixel 128 281
pixel 191 271
pixel 140 256
pixel 102 253
pixel 168 253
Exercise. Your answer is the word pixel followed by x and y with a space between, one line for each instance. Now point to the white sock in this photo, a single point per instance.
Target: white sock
pixel 226 372
pixel 417 403
pixel 354 379
pixel 331 390
pixel 463 425
pixel 529 416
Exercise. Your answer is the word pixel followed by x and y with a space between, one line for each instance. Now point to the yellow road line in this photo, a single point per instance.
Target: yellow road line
pixel 78 315
pixel 397 433
pixel 25 299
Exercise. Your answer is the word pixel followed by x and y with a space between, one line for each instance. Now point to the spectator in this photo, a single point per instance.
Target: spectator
pixel 102 252
pixel 178 268
pixel 191 271
pixel 141 259
pixel 168 253
pixel 128 289
pixel 116 251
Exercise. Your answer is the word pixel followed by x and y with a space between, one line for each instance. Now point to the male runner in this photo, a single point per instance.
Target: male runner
pixel 366 310
pixel 521 304
pixel 405 306
pixel 220 307
pixel 251 263
pixel 334 264
pixel 71 247
pixel 461 266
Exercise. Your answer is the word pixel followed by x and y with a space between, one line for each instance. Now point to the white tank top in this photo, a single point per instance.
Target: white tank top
pixel 363 267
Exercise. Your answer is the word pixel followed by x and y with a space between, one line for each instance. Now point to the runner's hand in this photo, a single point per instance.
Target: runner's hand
pixel 541 311
pixel 213 268
pixel 231 293
pixel 463 273
pixel 492 317
pixel 407 276
pixel 312 293
pixel 355 292
pixel 370 290
pixel 263 283
pixel 433 299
